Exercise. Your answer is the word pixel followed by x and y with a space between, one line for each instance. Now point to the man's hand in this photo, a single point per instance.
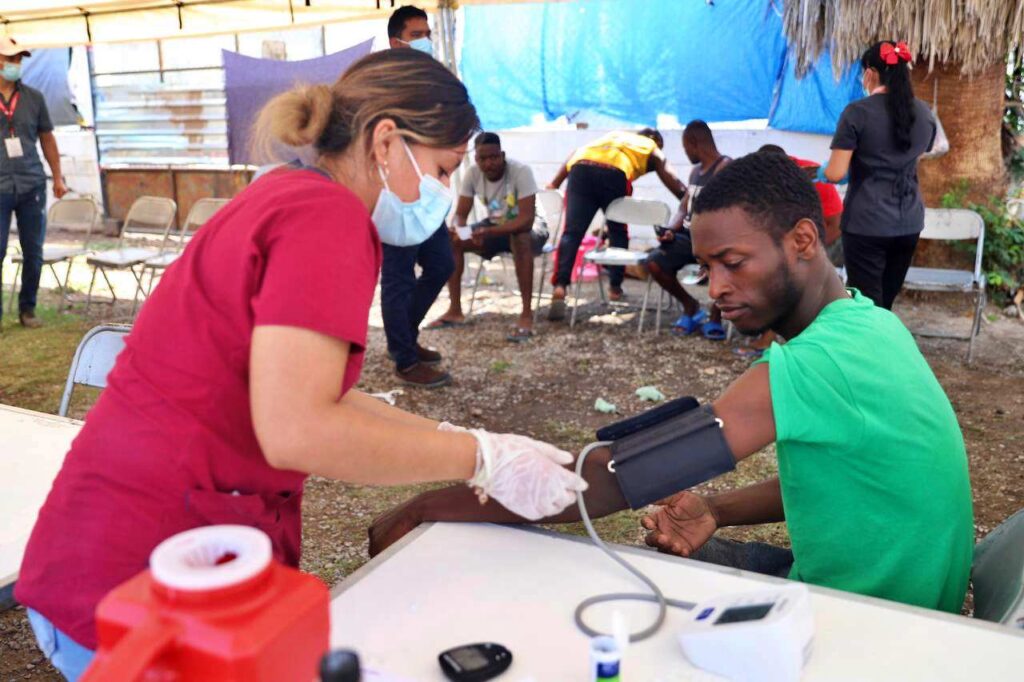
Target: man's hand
pixel 392 526
pixel 59 188
pixel 478 237
pixel 667 236
pixel 681 525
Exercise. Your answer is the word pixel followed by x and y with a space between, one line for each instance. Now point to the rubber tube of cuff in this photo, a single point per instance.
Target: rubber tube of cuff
pixel 655 596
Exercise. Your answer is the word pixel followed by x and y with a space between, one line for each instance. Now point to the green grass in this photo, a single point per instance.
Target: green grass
pixel 34 362
pixel 500 366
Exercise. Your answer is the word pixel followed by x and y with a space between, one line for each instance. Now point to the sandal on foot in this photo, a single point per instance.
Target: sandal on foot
pixel 520 335
pixel 688 324
pixel 748 353
pixel 441 323
pixel 713 331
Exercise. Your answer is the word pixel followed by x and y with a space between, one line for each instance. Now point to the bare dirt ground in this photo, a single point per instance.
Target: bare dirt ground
pixel 546 388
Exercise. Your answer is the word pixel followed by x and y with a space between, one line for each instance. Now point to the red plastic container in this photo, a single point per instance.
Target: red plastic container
pixel 197 621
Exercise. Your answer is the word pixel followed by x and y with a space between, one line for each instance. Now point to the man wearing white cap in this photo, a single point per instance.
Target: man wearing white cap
pixel 24 121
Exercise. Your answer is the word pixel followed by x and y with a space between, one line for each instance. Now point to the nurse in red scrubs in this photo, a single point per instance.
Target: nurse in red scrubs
pixel 237 379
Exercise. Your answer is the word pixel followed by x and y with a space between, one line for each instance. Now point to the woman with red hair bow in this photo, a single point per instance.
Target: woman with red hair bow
pixel 877 143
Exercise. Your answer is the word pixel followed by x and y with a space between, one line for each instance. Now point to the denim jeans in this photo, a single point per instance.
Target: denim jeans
pixel 30 208
pixel 66 655
pixel 404 299
pixel 757 557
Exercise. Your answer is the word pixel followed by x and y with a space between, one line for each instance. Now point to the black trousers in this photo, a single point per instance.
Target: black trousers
pixel 590 188
pixel 877 266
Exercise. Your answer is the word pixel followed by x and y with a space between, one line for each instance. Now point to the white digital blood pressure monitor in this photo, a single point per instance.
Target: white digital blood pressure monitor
pixel 762 636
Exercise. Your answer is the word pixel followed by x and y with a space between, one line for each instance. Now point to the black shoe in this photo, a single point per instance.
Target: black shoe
pixel 29 320
pixel 426 356
pixel 423 376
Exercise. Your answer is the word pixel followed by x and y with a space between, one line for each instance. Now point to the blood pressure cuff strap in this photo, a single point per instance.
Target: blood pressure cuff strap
pixel 673 455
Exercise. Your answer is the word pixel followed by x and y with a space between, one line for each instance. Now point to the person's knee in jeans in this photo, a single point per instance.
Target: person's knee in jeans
pixel 68 656
pixel 756 557
pixel 437 259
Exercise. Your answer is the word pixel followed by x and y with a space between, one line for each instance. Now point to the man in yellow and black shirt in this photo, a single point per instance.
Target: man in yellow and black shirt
pixel 599 173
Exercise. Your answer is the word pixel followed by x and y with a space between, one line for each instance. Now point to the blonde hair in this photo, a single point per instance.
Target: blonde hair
pixel 427 102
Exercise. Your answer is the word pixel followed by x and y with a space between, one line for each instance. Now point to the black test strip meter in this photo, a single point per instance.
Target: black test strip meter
pixel 475 662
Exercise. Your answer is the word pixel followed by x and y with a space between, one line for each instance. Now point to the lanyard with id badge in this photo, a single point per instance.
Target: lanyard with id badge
pixel 12 143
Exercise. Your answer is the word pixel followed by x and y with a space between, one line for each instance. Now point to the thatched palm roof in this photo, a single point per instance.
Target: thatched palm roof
pixel 972 33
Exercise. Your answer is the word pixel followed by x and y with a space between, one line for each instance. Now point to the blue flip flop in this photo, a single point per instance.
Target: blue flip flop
pixel 713 331
pixel 688 324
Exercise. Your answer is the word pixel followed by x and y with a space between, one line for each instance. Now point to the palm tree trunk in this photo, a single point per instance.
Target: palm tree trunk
pixel 971 111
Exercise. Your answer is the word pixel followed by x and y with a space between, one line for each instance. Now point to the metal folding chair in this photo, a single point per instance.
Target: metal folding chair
pixel 998 574
pixel 953 224
pixel 200 212
pixel 94 358
pixel 634 212
pixel 70 214
pixel 148 215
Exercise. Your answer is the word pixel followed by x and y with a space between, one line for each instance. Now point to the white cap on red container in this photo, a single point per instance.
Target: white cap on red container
pixel 210 558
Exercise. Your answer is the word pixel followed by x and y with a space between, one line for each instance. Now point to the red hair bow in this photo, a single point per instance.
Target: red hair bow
pixel 892 54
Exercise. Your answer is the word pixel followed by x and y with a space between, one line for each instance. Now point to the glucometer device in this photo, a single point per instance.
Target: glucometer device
pixel 475 662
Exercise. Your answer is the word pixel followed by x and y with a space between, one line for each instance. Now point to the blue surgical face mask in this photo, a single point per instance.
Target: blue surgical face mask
pixel 422 44
pixel 407 224
pixel 11 71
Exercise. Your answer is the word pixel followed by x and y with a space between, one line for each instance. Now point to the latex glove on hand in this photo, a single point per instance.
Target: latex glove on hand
pixel 819 176
pixel 524 475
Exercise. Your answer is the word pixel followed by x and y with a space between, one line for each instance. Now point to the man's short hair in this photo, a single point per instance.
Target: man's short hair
pixel 768 186
pixel 396 24
pixel 699 132
pixel 773 148
pixel 653 134
pixel 487 138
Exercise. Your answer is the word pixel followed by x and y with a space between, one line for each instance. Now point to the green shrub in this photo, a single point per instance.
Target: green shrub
pixel 1003 257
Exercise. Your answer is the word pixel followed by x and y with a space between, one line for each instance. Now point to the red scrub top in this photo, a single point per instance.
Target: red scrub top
pixel 170 445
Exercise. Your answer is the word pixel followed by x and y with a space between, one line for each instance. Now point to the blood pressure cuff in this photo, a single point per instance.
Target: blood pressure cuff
pixel 671 456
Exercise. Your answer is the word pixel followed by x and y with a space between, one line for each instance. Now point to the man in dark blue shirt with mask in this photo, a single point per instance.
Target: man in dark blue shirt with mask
pixel 24 121
pixel 404 298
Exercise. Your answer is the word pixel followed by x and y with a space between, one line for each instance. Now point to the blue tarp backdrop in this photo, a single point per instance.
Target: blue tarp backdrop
pixel 812 104
pixel 634 60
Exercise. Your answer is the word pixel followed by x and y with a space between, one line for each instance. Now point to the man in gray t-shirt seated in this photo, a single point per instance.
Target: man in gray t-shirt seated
pixel 506 189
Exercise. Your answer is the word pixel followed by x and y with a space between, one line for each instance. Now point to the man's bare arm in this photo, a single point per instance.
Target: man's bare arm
pixel 459 503
pixel 462 210
pixel 748 425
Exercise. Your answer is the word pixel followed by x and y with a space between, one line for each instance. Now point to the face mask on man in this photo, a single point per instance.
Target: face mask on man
pixel 11 71
pixel 422 44
pixel 402 223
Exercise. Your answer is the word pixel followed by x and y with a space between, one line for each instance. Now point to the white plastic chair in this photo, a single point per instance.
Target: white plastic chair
pixel 147 215
pixel 201 211
pixel 551 206
pixel 953 224
pixel 634 212
pixel 95 357
pixel 67 214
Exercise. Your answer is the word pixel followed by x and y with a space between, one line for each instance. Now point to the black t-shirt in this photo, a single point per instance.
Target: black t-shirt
pixel 883 199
